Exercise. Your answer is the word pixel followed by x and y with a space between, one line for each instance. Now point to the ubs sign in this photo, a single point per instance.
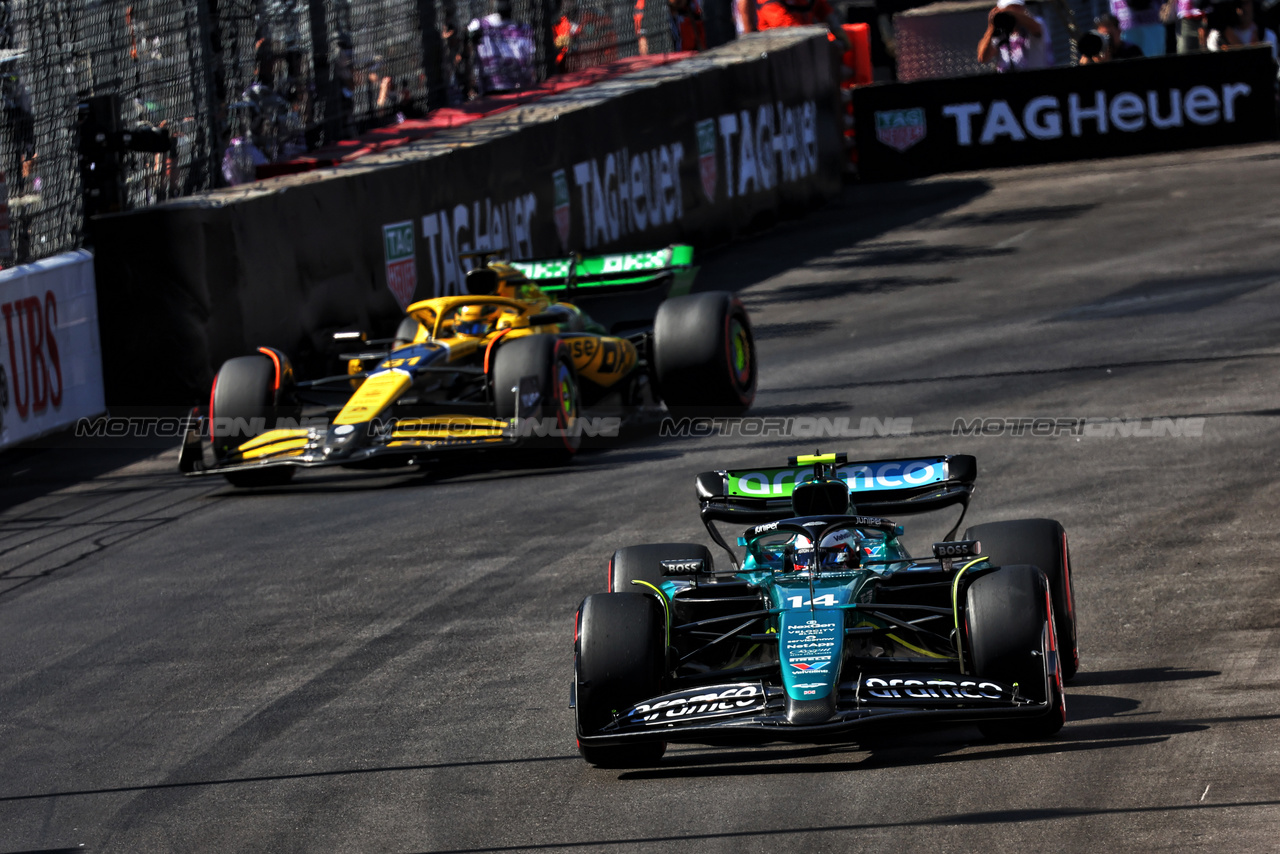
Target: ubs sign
pixel 1131 107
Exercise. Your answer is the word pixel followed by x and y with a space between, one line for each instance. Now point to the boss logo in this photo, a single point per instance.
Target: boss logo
pixel 957 548
pixel 684 567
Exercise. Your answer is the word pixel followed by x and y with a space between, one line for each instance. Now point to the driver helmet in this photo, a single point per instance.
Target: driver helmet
pixel 840 549
pixel 472 320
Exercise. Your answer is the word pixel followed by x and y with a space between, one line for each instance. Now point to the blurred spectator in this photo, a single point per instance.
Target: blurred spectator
pixel 1140 23
pixel 406 108
pixel 457 74
pixel 344 76
pixel 1108 43
pixel 583 38
pixel 1238 28
pixel 1192 31
pixel 21 124
pixel 771 14
pixel 744 16
pixel 565 32
pixel 378 89
pixel 502 51
pixel 1015 40
pixel 685 20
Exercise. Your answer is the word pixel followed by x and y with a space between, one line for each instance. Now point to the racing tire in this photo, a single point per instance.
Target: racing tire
pixel 644 563
pixel 704 356
pixel 621 655
pixel 1006 618
pixel 1042 543
pixel 244 391
pixel 559 398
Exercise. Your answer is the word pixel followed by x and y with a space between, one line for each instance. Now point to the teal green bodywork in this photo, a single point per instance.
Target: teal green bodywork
pixel 811 612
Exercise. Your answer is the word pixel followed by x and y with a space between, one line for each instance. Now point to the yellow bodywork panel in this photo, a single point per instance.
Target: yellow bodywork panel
pixel 374 395
pixel 272 443
pixel 436 317
pixel 599 358
pixel 449 426
pixel 429 312
pixel 355 366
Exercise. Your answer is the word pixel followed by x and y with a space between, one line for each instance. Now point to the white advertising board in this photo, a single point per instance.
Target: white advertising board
pixel 50 356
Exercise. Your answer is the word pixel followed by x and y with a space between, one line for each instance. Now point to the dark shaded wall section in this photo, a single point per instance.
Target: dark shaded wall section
pixel 701 152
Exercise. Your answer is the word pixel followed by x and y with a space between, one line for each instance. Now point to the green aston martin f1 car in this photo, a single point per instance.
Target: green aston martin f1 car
pixel 822 624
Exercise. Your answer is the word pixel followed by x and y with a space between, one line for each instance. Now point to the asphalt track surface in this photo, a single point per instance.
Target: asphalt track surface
pixel 381 663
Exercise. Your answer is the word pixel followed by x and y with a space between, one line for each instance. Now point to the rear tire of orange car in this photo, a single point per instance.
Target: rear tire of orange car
pixel 704 355
pixel 559 403
pixel 244 391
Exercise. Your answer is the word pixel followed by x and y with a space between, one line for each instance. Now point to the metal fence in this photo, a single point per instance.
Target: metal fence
pixel 940 39
pixel 117 104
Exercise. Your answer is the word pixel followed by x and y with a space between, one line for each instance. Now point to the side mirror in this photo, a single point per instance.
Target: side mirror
pixel 482 281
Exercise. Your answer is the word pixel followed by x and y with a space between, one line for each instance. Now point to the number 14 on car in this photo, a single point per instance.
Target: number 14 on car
pixel 826 600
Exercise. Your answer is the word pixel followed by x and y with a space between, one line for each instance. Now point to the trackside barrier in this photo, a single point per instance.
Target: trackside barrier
pixel 857 65
pixel 1136 106
pixel 699 151
pixel 50 364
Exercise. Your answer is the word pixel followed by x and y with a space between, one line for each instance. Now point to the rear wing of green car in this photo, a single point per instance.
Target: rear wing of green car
pixel 876 487
pixel 575 277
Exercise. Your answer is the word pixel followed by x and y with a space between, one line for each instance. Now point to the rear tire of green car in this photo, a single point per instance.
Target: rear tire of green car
pixel 1005 623
pixel 704 355
pixel 644 563
pixel 621 655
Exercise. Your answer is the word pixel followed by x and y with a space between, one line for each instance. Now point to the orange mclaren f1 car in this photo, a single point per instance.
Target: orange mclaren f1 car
pixel 516 362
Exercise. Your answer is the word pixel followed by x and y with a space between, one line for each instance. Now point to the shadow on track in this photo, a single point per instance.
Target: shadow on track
pixel 904 750
pixel 277 778
pixel 373 481
pixel 1014 216
pixel 832 290
pixel 990 817
pixel 861 213
pixel 1140 675
pixel 1027 372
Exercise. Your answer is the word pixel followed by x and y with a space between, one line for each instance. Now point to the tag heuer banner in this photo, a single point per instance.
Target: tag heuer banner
pixel 1130 107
